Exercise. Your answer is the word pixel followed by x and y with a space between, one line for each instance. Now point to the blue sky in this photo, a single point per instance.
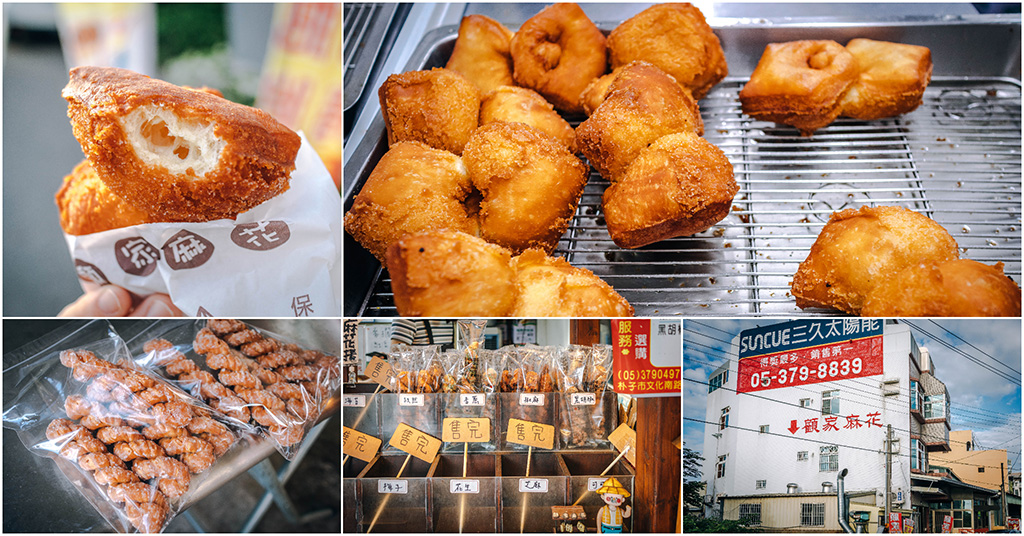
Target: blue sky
pixel 981 400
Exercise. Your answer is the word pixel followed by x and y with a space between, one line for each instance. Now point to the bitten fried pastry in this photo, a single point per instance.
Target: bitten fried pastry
pixel 88 206
pixel 557 52
pixel 550 286
pixel 960 287
pixel 800 83
pixel 448 273
pixel 675 38
pixel 438 107
pixel 678 186
pixel 892 80
pixel 177 153
pixel 512 104
pixel 643 104
pixel 413 188
pixel 859 249
pixel 482 54
pixel 530 185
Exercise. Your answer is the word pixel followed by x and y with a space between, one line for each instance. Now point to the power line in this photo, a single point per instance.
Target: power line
pixel 982 352
pixel 1003 375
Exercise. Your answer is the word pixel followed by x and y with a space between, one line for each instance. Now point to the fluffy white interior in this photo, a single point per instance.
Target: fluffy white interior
pixel 160 138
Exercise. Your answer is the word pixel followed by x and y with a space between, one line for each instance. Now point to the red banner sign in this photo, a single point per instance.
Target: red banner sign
pixel 647 357
pixel 837 361
pixel 947 524
pixel 895 522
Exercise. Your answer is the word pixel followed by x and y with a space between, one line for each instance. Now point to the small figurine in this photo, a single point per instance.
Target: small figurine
pixel 609 517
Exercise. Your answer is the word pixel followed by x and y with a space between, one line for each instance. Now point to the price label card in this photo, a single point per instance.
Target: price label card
pixel 623 437
pixel 354 401
pixel 406 399
pixel 379 371
pixel 531 399
pixel 533 434
pixel 533 485
pixel 583 399
pixel 393 486
pixel 472 399
pixel 412 441
pixel 466 430
pixel 359 445
pixel 594 484
pixel 464 486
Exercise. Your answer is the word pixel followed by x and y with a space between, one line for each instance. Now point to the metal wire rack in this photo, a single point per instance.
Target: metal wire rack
pixel 364 29
pixel 956 159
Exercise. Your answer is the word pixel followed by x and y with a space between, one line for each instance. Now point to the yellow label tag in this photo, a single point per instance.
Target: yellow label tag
pixel 466 430
pixel 359 445
pixel 623 437
pixel 533 434
pixel 379 371
pixel 412 441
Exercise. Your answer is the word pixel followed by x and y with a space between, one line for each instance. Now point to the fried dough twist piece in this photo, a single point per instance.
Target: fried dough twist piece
pixel 481 53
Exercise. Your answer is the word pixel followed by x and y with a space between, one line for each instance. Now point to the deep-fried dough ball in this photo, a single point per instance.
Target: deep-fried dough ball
pixel 438 107
pixel 959 287
pixel 550 286
pixel 521 105
pixel 88 206
pixel 481 53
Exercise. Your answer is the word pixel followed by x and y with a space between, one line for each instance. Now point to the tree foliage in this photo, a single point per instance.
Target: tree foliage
pixel 711 524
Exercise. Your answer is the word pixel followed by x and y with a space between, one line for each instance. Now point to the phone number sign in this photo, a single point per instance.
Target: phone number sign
pixel 806 358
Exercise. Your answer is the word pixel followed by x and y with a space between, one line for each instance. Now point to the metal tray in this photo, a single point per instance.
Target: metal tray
pixel 956 159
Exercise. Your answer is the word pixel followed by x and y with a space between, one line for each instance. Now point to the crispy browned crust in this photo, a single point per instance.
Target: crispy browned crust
pixel 447 273
pixel 529 182
pixel 800 83
pixel 512 104
pixel 481 53
pixel 438 107
pixel 959 287
pixel 414 188
pixel 859 249
pixel 893 77
pixel 595 92
pixel 254 164
pixel 88 206
pixel 557 52
pixel 677 39
pixel 642 104
pixel 550 286
pixel 678 186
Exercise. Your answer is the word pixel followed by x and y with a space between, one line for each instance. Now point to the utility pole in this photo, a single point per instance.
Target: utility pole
pixel 1002 494
pixel 888 471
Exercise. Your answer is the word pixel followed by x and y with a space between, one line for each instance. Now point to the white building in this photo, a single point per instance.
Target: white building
pixel 799 401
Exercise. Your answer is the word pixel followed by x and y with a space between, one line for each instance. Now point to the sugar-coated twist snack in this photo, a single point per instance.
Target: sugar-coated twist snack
pixel 225 326
pixel 84 364
pixel 240 379
pixel 226 360
pixel 144 505
pixel 173 476
pixel 197 454
pixel 213 432
pixel 259 347
pixel 239 338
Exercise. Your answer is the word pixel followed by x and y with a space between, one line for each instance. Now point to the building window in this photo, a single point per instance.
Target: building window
pixel 723 421
pixel 935 407
pixel 917 456
pixel 715 383
pixel 830 402
pixel 829 458
pixel 720 467
pixel 801 456
pixel 915 396
pixel 805 402
pixel 750 514
pixel 981 469
pixel 963 514
pixel 812 515
pixel 761 484
pixel 764 429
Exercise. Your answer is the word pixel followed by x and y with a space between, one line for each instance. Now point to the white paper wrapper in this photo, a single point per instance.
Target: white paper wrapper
pixel 280 259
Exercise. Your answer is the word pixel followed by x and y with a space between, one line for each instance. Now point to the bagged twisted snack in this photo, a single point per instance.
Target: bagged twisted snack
pixel 471 341
pixel 585 419
pixel 492 364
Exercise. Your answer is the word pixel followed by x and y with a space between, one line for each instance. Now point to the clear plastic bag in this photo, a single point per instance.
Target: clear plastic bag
pixel 586 411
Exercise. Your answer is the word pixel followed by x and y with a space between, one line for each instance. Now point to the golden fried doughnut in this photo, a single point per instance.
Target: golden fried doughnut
pixel 893 77
pixel 675 38
pixel 481 53
pixel 448 273
pixel 512 104
pixel 530 185
pixel 958 287
pixel 437 107
pixel 88 206
pixel 678 186
pixel 557 52
pixel 643 104
pixel 177 153
pixel 413 188
pixel 800 83
pixel 595 92
pixel 550 286
pixel 859 249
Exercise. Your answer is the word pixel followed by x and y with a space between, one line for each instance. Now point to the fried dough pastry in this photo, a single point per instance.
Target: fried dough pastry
pixel 859 249
pixel 448 273
pixel 643 104
pixel 678 186
pixel 893 77
pixel 959 287
pixel 512 104
pixel 88 206
pixel 481 53
pixel 413 188
pixel 800 83
pixel 675 38
pixel 595 92
pixel 557 52
pixel 439 107
pixel 529 182
pixel 550 286
pixel 179 154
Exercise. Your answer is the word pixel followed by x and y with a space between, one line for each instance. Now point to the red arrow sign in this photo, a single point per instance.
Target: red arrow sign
pixel 793 427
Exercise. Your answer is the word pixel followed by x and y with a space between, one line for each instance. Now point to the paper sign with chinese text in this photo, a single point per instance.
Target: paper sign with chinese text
pixel 623 437
pixel 947 524
pixel 466 430
pixel 379 371
pixel 359 445
pixel 895 522
pixel 532 434
pixel 412 441
pixel 647 357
